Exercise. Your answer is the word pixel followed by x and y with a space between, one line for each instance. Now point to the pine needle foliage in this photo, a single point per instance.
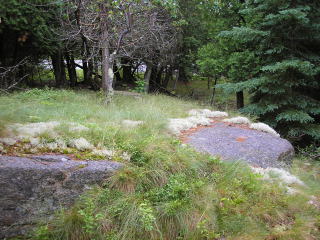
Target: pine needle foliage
pixel 284 38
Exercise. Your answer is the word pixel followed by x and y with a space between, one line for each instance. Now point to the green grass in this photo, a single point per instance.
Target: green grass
pixel 88 108
pixel 167 191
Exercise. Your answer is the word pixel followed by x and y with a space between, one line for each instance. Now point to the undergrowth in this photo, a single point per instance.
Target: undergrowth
pixel 167 190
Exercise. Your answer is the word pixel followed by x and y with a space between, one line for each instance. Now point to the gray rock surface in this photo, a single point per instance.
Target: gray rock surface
pixel 234 143
pixel 32 188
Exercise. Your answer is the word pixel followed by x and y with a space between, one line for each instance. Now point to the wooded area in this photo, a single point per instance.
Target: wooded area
pixel 266 50
pixel 160 119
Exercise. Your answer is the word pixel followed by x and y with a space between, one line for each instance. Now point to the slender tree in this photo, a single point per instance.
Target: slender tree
pixel 117 30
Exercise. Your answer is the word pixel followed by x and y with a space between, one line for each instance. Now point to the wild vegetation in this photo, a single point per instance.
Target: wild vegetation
pixel 167 190
pixel 264 52
pixel 62 60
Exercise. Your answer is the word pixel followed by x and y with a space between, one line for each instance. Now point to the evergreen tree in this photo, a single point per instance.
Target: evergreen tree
pixel 27 29
pixel 284 36
pixel 224 57
pixel 192 20
pixel 27 35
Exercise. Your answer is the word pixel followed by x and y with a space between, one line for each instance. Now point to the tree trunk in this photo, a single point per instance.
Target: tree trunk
pixel 240 100
pixel 86 63
pixel 90 73
pixel 96 78
pixel 153 78
pixel 74 71
pixel 147 77
pixel 213 91
pixel 182 75
pixel 176 81
pixel 63 75
pixel 116 74
pixel 59 69
pixel 56 69
pixel 85 70
pixel 168 77
pixel 71 69
pixel 159 76
pixel 107 73
pixel 126 70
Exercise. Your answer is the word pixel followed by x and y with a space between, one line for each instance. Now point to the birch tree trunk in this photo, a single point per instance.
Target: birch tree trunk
pixel 107 73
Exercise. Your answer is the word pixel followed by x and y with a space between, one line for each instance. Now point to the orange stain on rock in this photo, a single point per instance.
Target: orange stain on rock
pixel 241 139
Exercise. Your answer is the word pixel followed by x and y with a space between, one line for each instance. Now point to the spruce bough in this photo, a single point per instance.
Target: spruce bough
pixel 285 38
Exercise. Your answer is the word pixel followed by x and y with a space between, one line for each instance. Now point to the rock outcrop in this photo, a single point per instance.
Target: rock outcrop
pixel 32 188
pixel 259 149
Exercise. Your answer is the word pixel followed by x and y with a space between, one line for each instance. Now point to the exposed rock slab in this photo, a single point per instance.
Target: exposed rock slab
pixel 234 143
pixel 33 188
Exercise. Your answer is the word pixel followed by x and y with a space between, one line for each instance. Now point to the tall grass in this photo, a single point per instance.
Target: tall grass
pixel 167 190
pixel 84 107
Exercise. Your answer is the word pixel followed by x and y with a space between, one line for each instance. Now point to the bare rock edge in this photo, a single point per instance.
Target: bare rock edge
pixel 32 188
pixel 232 143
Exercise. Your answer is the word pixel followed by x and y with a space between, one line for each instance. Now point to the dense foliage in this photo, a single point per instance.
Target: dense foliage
pixel 26 29
pixel 274 55
pixel 286 39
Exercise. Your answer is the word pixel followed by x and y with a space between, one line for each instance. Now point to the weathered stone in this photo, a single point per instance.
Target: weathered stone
pixel 8 141
pixel 81 144
pixel 235 143
pixel 32 188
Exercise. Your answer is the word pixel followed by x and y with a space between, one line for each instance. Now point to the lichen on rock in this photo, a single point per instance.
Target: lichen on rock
pixel 26 131
pixel 176 125
pixel 81 144
pixel 103 153
pixel 8 141
pixel 281 176
pixel 19 131
pixel 207 113
pixel 264 128
pixel 237 120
